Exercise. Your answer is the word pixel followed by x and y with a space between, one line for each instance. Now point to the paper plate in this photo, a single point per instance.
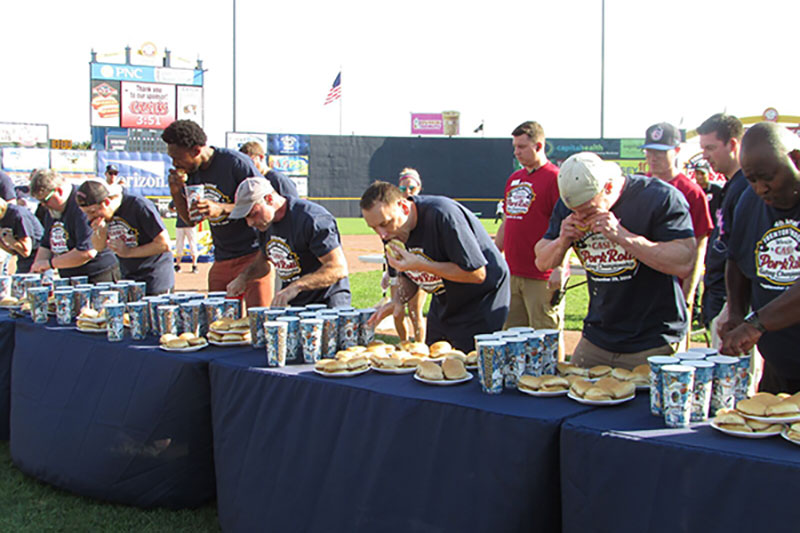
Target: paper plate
pixel 347 374
pixel 444 382
pixel 743 434
pixel 183 350
pixel 543 394
pixel 597 403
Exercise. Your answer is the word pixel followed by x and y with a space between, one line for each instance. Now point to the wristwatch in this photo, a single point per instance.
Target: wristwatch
pixel 752 319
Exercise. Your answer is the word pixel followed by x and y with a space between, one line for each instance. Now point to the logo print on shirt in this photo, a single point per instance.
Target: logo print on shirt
pixel 215 195
pixel 58 238
pixel 286 262
pixel 426 281
pixel 777 254
pixel 519 199
pixel 603 258
pixel 120 230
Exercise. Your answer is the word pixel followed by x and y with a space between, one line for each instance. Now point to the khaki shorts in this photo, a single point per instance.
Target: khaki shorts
pixel 588 355
pixel 530 305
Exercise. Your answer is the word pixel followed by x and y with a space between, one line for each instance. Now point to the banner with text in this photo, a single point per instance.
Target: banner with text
pixel 147 105
pixel 427 124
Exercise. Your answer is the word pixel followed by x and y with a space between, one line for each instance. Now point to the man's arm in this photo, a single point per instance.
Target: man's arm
pixel 737 337
pixel 21 247
pixel 176 183
pixel 157 246
pixel 258 268
pixel 445 270
pixel 332 269
pixel 690 283
pixel 501 231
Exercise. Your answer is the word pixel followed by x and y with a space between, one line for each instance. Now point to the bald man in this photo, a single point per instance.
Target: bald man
pixel 764 258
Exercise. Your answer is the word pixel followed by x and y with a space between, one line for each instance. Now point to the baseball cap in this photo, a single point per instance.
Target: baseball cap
pixel 662 136
pixel 91 192
pixel 703 166
pixel 112 168
pixel 248 193
pixel 583 176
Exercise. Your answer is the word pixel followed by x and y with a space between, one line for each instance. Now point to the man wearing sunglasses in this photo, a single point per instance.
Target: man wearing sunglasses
pixel 132 228
pixel 67 241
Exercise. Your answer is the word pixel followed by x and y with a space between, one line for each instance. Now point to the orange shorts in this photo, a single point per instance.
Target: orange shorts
pixel 258 293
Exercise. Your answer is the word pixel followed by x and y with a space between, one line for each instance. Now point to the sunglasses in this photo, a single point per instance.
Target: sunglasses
pixel 404 188
pixel 47 198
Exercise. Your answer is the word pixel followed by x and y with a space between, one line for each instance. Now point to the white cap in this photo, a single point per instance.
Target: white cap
pixel 583 176
pixel 248 193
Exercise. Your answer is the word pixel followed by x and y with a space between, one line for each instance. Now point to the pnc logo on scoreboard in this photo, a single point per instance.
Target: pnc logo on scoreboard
pixel 122 72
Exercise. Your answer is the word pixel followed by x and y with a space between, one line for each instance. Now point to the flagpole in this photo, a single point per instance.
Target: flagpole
pixel 341 97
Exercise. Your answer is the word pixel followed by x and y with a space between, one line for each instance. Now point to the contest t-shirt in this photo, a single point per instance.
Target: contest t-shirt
pixel 447 232
pixel 631 306
pixel 71 231
pixel 714 292
pixel 233 237
pixel 294 245
pixel 22 223
pixel 529 201
pixel 137 222
pixel 765 244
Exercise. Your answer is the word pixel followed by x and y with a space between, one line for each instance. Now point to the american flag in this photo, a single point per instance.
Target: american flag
pixel 336 91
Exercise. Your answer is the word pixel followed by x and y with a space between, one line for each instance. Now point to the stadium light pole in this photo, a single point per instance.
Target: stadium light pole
pixel 602 63
pixel 234 65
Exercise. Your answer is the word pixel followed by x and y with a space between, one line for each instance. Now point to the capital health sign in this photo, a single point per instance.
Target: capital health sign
pixel 427 124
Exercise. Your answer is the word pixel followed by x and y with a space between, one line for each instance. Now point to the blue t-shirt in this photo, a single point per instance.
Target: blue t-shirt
pixel 21 222
pixel 447 232
pixel 7 188
pixel 294 245
pixel 631 306
pixel 137 222
pixel 71 231
pixel 765 244
pixel 233 237
pixel 717 250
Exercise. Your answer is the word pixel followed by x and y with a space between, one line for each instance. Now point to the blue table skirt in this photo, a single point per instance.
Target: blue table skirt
pixel 298 452
pixel 6 352
pixel 623 470
pixel 124 422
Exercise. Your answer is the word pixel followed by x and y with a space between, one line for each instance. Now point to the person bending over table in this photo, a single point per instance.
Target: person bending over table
pixel 67 241
pixel 20 234
pixel 132 228
pixel 220 171
pixel 633 235
pixel 764 258
pixel 299 239
pixel 447 253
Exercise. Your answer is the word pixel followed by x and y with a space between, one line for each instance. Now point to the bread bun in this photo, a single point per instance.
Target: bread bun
pixel 440 347
pixel 622 374
pixel 220 325
pixel 83 324
pixel 197 341
pixel 187 336
pixel 529 382
pixel 177 343
pixel 167 337
pixel 784 408
pixel 567 369
pixel 390 248
pixel 453 368
pixel 599 371
pixel 751 407
pixel 88 312
pixel 458 354
pixel 376 342
pixel 410 362
pixel 214 336
pixel 597 394
pixel 429 370
pixel 622 389
pixel 357 362
pixel 580 386
pixel 554 383
pixel 382 361
pixel 419 348
pixel 232 337
pixel 766 398
pixel 330 365
pixel 606 383
pixel 472 358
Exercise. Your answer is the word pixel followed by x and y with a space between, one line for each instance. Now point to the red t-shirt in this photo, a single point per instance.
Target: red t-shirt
pixel 529 201
pixel 698 205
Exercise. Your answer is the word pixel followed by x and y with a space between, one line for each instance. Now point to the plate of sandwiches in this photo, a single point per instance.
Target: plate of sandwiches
pixel 91 321
pixel 185 342
pixel 230 325
pixel 9 302
pixel 545 386
pixel 792 433
pixel 229 338
pixel 605 391
pixel 731 422
pixel 766 407
pixel 344 365
pixel 450 372
pixel 397 362
pixel 639 376
pixel 439 350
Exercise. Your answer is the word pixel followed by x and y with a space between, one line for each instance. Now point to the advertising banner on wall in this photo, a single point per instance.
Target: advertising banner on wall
pixel 293 165
pixel 25 159
pixel 143 173
pixel 558 150
pixel 140 73
pixel 190 104
pixel 427 124
pixel 24 134
pixel 234 139
pixel 147 105
pixel 105 103
pixel 83 161
pixel 288 144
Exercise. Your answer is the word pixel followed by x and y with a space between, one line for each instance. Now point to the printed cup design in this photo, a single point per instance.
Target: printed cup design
pixel 514 365
pixel 64 302
pixel 311 339
pixel 703 379
pixel 5 286
pixel 534 365
pixel 78 280
pixel 549 350
pixel 723 388
pixel 276 335
pixel 115 328
pixel 330 335
pixel 190 316
pixel 491 360
pixel 81 298
pixel 348 329
pixel 137 312
pixel 233 308
pixel 256 317
pixel 37 297
pixel 656 362
pixel 168 319
pixel 136 291
pixel 107 298
pixel 742 378
pixel 194 193
pixel 677 394
pixel 294 350
pixel 366 334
